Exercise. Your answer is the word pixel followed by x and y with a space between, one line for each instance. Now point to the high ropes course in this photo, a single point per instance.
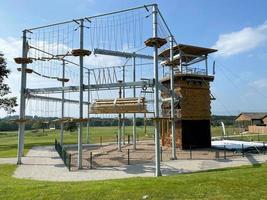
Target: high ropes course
pixel 105 65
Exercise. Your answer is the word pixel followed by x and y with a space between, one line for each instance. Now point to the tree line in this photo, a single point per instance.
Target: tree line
pixel 35 122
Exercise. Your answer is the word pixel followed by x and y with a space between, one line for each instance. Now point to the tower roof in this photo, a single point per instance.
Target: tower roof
pixel 188 49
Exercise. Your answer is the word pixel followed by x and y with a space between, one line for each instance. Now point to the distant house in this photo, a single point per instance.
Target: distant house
pixel 255 122
pixel 252 118
pixel 264 120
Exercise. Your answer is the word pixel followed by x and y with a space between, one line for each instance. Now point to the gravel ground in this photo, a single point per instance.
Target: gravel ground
pixel 108 155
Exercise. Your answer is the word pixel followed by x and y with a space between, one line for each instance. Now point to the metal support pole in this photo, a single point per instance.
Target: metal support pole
pixel 123 115
pixel 91 160
pixel 156 94
pixel 62 104
pixel 190 152
pixel 161 154
pixel 88 111
pixel 181 60
pixel 224 152
pixel 206 64
pixel 145 132
pixel 119 123
pixel 128 153
pixel 22 100
pixel 172 102
pixel 134 95
pixel 69 162
pixel 80 148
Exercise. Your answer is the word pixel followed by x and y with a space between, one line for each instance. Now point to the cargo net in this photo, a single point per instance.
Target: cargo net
pixel 51 47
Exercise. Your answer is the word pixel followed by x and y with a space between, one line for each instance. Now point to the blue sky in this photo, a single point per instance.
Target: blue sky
pixel 237 28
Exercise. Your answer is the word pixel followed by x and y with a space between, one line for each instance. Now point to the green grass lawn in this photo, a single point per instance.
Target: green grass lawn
pixel 217 131
pixel 248 182
pixel 254 137
pixel 8 140
pixel 230 130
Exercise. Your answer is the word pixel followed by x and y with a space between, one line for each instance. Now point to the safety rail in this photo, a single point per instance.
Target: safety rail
pixel 66 157
pixel 188 70
pixel 193 70
pixel 167 113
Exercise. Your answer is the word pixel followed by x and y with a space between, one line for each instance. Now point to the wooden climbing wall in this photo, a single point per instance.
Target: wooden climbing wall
pixel 193 126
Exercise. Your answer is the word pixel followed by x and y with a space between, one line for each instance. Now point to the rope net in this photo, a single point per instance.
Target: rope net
pixel 51 50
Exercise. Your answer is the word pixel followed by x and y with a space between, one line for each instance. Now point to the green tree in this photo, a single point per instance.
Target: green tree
pixel 70 126
pixel 6 103
pixel 37 125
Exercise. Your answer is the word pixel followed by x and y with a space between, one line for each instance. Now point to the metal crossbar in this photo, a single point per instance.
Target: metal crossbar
pixel 93 87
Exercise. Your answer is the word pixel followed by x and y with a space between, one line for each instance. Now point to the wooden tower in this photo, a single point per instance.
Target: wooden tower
pixel 192 85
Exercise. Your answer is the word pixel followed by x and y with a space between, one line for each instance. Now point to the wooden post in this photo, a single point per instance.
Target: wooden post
pixel 116 135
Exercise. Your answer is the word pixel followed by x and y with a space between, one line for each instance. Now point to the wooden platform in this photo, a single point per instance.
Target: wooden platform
pixel 119 105
pixel 185 53
pixel 81 52
pixel 187 49
pixel 20 60
pixel 159 42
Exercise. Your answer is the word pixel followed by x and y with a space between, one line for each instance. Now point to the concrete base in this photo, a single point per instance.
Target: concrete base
pixel 43 163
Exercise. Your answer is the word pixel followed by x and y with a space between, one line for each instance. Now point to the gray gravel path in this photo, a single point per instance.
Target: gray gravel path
pixel 43 163
pixel 8 160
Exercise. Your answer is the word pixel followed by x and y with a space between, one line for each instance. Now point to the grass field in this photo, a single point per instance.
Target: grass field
pixel 8 140
pixel 230 130
pixel 246 182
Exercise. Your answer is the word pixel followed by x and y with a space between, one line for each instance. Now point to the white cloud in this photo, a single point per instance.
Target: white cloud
pixel 103 61
pixel 259 84
pixel 241 41
pixel 11 47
